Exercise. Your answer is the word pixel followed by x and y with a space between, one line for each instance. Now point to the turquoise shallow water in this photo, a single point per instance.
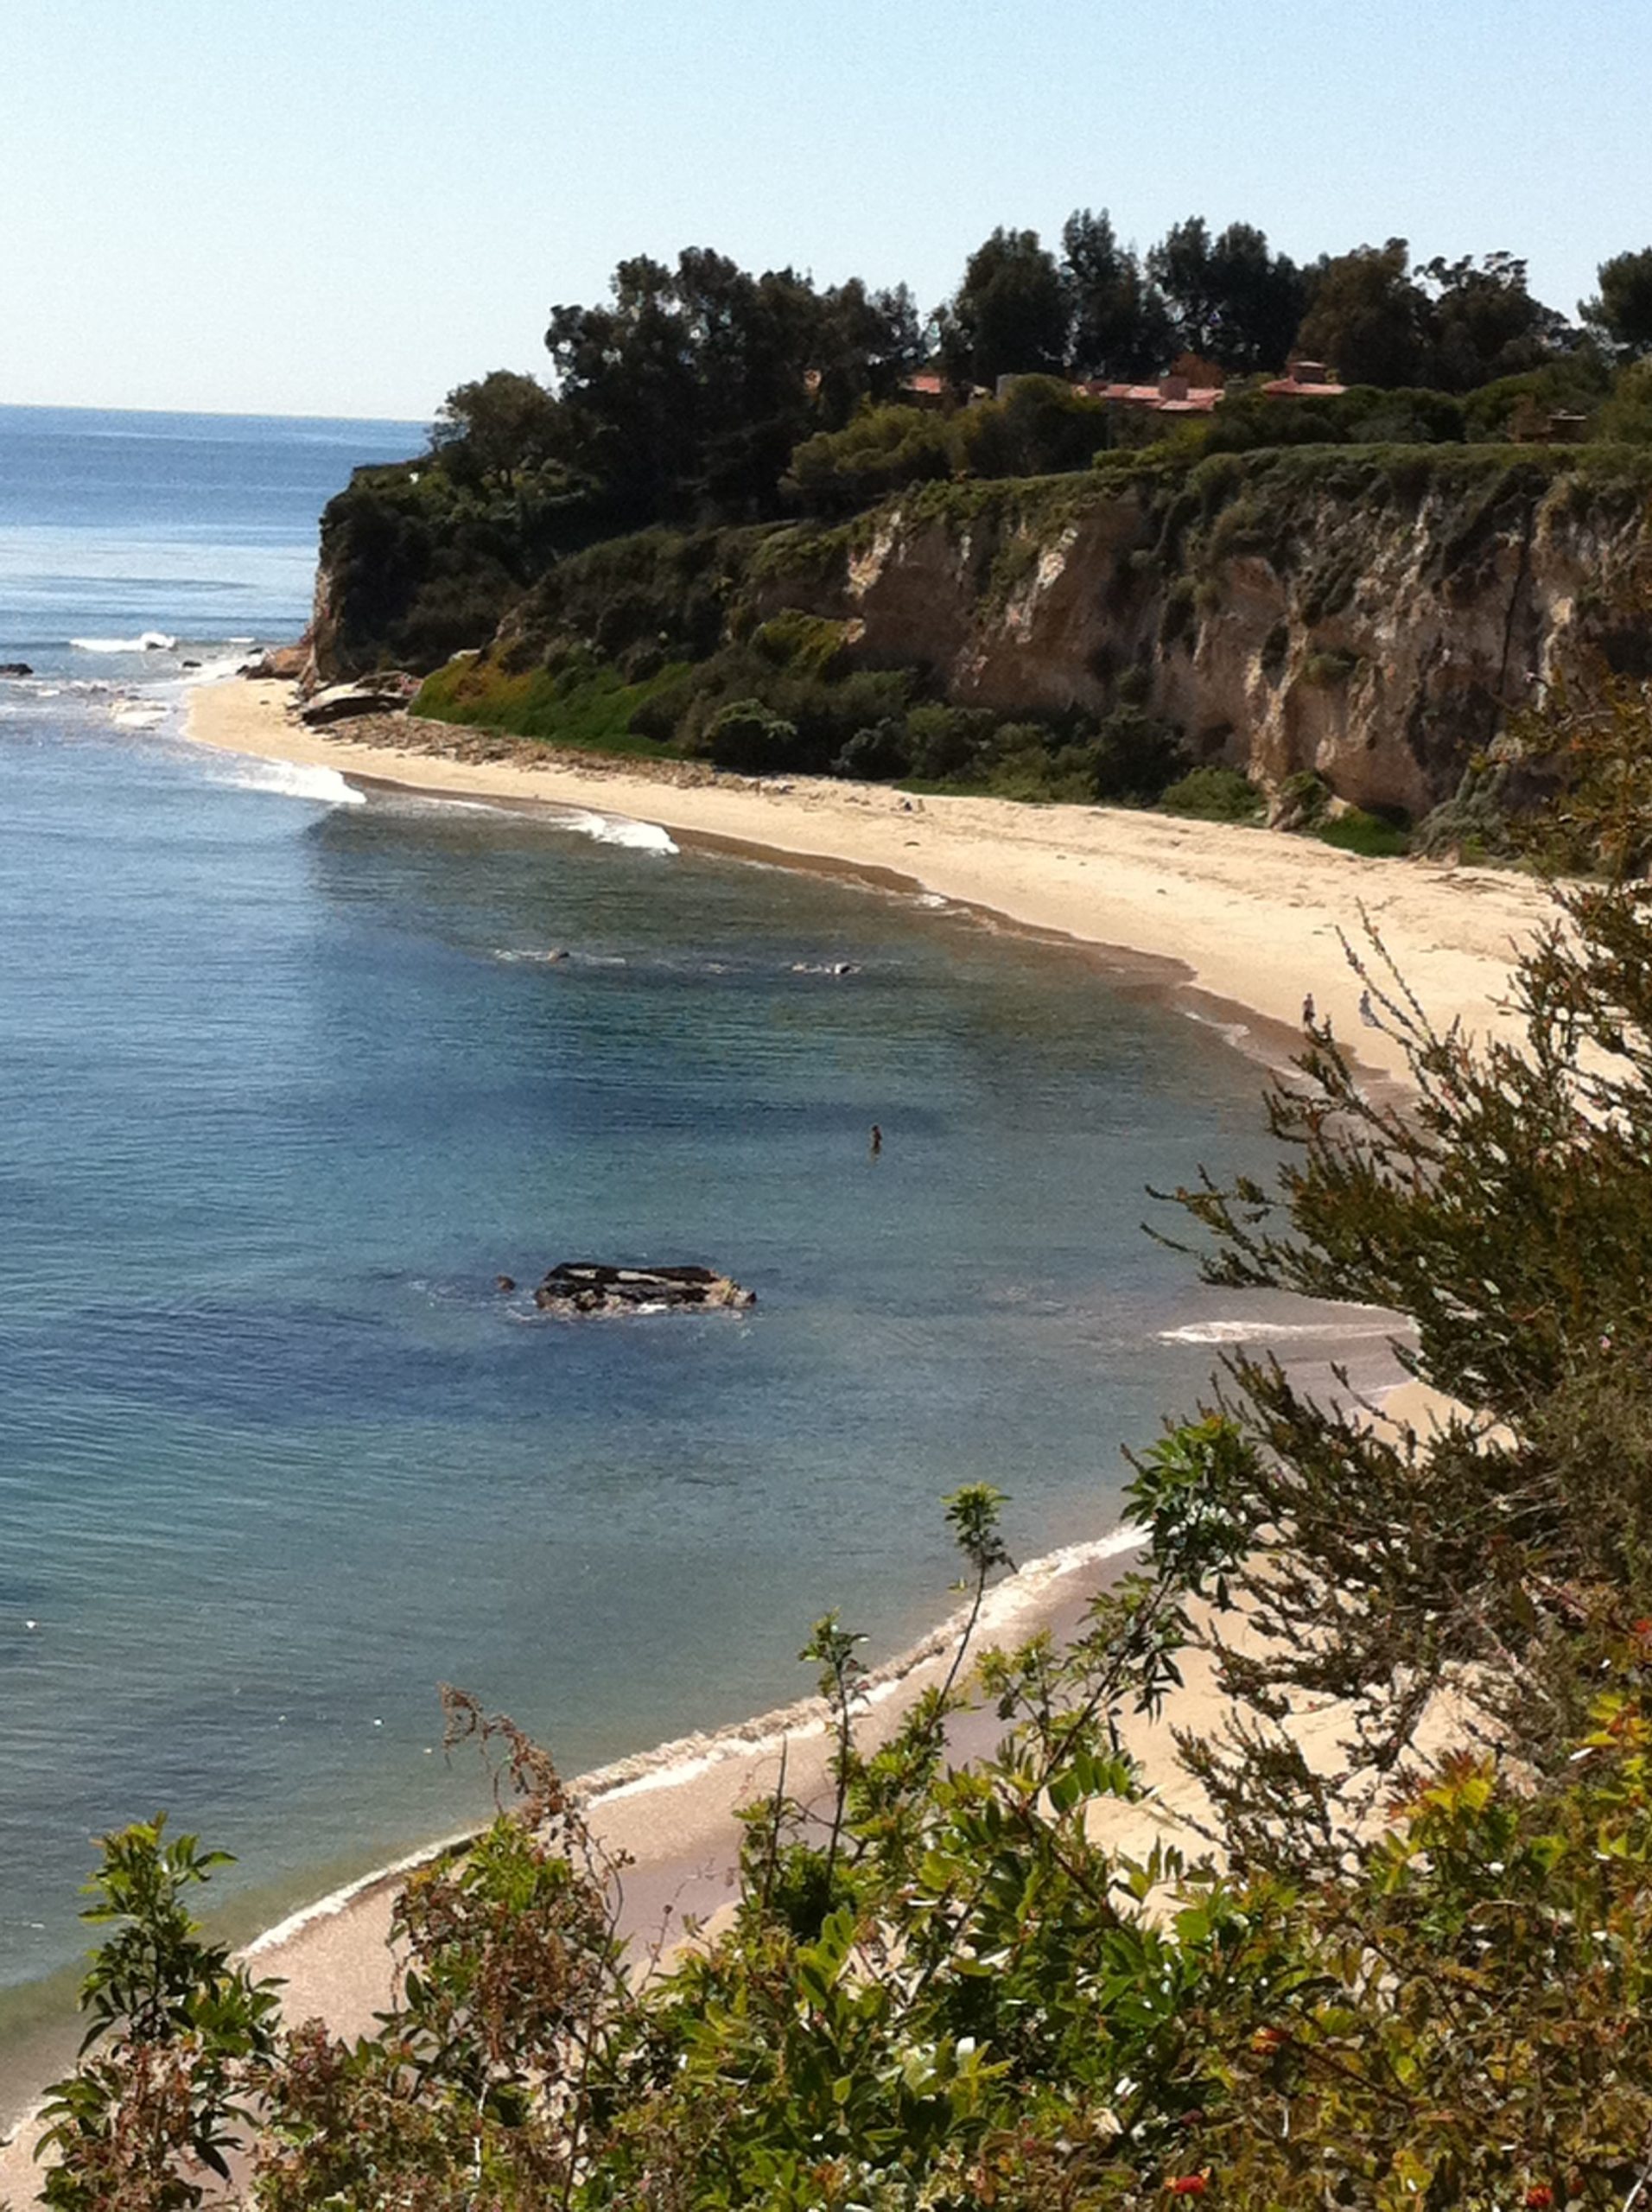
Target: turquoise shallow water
pixel 283 1086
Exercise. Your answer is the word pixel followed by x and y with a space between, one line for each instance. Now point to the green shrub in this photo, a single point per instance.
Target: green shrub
pixel 1137 755
pixel 951 744
pixel 877 754
pixel 812 644
pixel 1214 793
pixel 1041 427
pixel 1302 800
pixel 882 451
pixel 1179 609
pixel 1329 669
pixel 746 736
pixel 581 703
pixel 1377 836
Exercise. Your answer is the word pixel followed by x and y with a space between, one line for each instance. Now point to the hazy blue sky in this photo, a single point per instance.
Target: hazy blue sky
pixel 348 205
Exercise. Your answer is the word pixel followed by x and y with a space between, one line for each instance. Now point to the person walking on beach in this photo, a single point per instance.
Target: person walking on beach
pixel 877 1141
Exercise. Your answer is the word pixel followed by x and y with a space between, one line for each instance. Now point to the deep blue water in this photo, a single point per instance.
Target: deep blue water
pixel 282 1089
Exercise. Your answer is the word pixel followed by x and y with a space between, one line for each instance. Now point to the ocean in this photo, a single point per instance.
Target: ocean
pixel 287 1081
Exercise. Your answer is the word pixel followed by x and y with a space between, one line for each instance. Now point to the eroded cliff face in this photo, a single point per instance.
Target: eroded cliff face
pixel 1372 621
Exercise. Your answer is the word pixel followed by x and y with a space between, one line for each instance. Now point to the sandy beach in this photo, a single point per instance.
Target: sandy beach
pixel 1238 924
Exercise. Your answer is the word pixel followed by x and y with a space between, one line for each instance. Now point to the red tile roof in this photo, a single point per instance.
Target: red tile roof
pixel 1288 388
pixel 1198 399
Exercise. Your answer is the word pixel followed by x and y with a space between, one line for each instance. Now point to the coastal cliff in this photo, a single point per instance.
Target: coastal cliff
pixel 1369 616
pixel 1370 620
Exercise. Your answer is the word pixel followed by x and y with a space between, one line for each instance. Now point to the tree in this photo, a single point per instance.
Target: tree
pixel 1009 315
pixel 1259 299
pixel 1622 310
pixel 1367 319
pixel 1627 415
pixel 496 427
pixel 1485 324
pixel 1228 299
pixel 688 391
pixel 867 344
pixel 1120 327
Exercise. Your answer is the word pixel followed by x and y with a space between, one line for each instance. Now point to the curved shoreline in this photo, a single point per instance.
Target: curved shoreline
pixel 1025 1601
pixel 669 1809
pixel 1248 924
pixel 1223 916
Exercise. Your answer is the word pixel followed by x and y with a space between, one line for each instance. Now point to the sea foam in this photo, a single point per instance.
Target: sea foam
pixel 151 641
pixel 214 671
pixel 618 830
pixel 1258 1331
pixel 292 779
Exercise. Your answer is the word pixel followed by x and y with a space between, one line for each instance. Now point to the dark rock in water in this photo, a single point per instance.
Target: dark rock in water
pixel 586 1286
pixel 505 1284
pixel 14 668
pixel 190 664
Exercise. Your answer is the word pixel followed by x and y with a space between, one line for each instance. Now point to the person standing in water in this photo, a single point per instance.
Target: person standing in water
pixel 877 1141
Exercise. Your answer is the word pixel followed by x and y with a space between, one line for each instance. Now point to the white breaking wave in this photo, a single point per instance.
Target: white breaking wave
pixel 1250 1332
pixel 151 641
pixel 214 671
pixel 618 830
pixel 1234 1032
pixel 138 717
pixel 291 779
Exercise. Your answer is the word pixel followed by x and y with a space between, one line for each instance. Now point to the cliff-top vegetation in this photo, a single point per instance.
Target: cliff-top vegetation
pixel 699 394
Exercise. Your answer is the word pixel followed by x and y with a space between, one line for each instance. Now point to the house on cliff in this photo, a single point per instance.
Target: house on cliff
pixel 1305 380
pixel 1170 395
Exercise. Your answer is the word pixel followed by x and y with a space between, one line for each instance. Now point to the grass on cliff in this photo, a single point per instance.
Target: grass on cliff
pixel 585 709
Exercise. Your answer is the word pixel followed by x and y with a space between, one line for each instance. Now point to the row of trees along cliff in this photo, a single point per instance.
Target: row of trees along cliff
pixel 1064 537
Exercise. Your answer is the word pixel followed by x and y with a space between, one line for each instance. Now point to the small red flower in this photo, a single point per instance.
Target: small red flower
pixel 1187 2185
pixel 1267 2041
pixel 1539 2196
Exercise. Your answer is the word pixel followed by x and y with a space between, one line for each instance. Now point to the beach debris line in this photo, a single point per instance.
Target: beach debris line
pixel 590 1287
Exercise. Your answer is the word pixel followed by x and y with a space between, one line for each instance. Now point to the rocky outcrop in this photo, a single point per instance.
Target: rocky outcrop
pixel 14 668
pixel 587 1287
pixel 373 694
pixel 281 665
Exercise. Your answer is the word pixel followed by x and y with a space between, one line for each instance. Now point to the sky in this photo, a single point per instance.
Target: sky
pixel 348 207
